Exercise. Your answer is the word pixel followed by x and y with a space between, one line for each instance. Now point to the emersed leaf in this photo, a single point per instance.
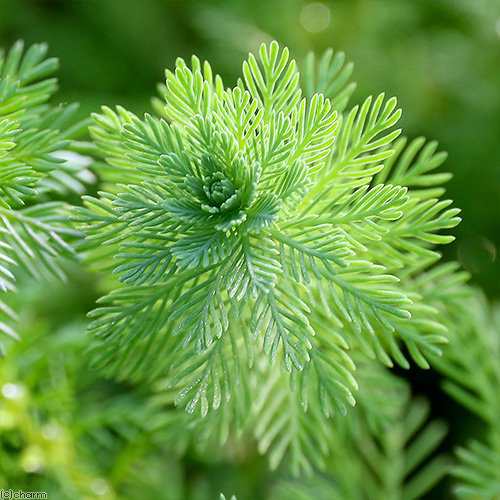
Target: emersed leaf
pixel 28 69
pixel 478 471
pixel 275 82
pixel 199 314
pixel 202 249
pixel 190 91
pixel 328 76
pixel 292 183
pixel 382 202
pixel 361 147
pixel 410 440
pixel 133 148
pixel 363 213
pixel 272 145
pixel 405 168
pixel 30 129
pixel 423 220
pixel 407 244
pixel 34 238
pixel 263 212
pixel 363 135
pixel 239 115
pixel 255 266
pixel 214 377
pixel 280 317
pixel 316 124
pixel 283 428
pixel 328 381
pixel 144 262
pixel 139 315
pixel 311 254
pixel 73 175
pixel 367 302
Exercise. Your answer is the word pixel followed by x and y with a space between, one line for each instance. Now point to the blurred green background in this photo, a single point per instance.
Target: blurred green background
pixel 441 58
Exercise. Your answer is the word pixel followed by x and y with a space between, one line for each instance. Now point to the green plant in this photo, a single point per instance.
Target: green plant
pixel 260 234
pixel 34 161
pixel 268 254
pixel 472 376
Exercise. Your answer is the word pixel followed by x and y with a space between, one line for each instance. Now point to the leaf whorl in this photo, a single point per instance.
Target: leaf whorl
pixel 254 220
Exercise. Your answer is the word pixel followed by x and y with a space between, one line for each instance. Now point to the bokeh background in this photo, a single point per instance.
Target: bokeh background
pixel 441 58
